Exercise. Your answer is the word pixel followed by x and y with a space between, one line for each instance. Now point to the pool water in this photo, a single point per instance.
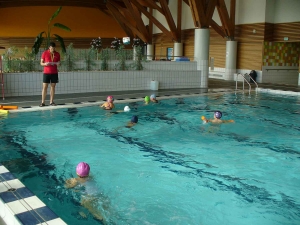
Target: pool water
pixel 170 168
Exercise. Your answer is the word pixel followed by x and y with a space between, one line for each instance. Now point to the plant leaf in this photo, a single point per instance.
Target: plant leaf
pixel 55 14
pixel 61 42
pixel 61 26
pixel 37 43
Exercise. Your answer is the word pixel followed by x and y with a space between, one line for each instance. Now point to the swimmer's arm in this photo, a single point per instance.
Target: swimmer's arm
pixel 208 120
pixel 105 105
pixel 70 183
pixel 227 121
pixel 130 124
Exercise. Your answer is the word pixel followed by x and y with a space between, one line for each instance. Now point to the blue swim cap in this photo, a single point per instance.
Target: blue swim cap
pixel 218 114
pixel 134 119
pixel 152 96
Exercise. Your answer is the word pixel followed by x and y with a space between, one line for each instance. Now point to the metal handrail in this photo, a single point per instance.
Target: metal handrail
pixel 243 82
pixel 252 80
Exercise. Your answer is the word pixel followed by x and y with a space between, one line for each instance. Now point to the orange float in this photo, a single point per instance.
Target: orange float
pixel 8 107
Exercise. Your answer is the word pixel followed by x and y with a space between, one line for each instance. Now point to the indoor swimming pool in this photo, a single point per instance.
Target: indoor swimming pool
pixel 169 168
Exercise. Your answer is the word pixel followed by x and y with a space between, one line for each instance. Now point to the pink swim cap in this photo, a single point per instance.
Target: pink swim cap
pixel 110 98
pixel 83 169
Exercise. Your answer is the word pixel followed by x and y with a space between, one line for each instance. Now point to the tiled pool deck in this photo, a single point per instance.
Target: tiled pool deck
pixel 214 85
pixel 19 205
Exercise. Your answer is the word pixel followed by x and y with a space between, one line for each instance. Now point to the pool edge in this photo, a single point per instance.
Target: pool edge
pixel 18 205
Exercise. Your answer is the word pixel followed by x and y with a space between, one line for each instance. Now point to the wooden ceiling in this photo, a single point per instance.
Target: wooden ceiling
pixel 79 3
pixel 128 13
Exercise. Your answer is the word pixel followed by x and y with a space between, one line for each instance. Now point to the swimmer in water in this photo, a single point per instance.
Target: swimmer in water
pixel 90 197
pixel 133 121
pixel 109 104
pixel 216 119
pixel 153 98
pixel 147 100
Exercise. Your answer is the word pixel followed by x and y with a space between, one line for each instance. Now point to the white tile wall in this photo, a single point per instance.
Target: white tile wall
pixel 27 84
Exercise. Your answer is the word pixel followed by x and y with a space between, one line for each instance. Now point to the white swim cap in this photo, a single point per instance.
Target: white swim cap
pixel 126 109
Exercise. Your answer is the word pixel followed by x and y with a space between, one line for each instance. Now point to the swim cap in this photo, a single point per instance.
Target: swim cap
pixel 126 109
pixel 218 114
pixel 134 119
pixel 110 98
pixel 152 96
pixel 83 169
pixel 147 99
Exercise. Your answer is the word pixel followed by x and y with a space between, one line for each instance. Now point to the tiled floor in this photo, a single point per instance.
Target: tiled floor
pixel 213 86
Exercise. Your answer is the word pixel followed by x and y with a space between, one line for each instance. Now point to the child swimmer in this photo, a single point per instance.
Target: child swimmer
pixel 216 119
pixel 147 100
pixel 109 104
pixel 132 122
pixel 153 98
pixel 90 196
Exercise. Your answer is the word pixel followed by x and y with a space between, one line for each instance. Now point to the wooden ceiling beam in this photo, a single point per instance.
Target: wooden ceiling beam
pixel 117 17
pixel 232 17
pixel 179 19
pixel 194 14
pixel 137 18
pixel 153 19
pixel 186 2
pixel 125 13
pixel 151 4
pixel 169 19
pixel 224 17
pixel 210 10
pixel 121 19
pixel 150 27
pixel 217 28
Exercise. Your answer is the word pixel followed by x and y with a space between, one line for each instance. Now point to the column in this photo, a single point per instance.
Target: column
pixel 201 54
pixel 230 65
pixel 177 50
pixel 149 52
pixel 134 53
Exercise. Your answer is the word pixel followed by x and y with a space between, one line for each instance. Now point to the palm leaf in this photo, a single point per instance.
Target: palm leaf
pixel 55 14
pixel 61 42
pixel 61 26
pixel 37 43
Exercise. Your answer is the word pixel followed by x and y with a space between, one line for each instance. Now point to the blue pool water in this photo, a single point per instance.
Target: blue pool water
pixel 169 168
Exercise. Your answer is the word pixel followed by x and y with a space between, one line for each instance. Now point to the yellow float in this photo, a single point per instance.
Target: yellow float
pixel 4 109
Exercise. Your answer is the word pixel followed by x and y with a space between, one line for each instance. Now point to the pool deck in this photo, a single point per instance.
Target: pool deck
pixel 214 85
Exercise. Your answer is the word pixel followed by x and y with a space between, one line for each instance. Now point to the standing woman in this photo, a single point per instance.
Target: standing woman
pixel 50 60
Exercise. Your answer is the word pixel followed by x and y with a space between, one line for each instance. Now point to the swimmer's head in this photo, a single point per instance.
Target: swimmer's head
pixel 110 98
pixel 134 119
pixel 83 169
pixel 147 99
pixel 126 109
pixel 218 114
pixel 153 96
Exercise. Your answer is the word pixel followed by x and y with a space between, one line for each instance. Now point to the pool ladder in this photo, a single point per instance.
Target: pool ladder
pixel 245 79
